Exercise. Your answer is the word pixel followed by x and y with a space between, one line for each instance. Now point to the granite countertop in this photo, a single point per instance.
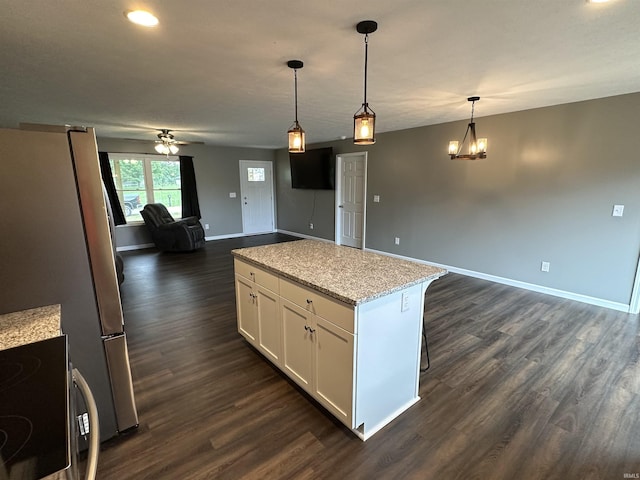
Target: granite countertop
pixel 348 274
pixel 27 326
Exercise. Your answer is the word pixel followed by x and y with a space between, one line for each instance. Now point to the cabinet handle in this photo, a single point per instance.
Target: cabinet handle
pixel 309 301
pixel 312 330
pixel 306 328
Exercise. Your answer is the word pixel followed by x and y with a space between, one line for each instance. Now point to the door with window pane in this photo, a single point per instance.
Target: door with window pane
pixel 256 195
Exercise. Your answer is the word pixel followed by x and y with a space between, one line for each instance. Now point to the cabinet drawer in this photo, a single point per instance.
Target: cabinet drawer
pixel 257 275
pixel 336 312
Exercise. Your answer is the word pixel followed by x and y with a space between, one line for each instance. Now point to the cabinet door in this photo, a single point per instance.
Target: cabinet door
pixel 246 308
pixel 268 311
pixel 297 346
pixel 334 366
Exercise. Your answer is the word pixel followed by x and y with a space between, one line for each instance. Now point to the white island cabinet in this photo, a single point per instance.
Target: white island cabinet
pixel 342 323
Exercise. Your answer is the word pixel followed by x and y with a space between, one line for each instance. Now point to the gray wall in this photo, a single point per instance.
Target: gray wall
pixel 545 192
pixel 217 174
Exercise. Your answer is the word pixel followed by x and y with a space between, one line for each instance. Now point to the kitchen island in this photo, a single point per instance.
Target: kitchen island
pixel 342 323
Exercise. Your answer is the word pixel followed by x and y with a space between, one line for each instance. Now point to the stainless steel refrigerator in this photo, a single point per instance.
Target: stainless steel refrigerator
pixel 56 247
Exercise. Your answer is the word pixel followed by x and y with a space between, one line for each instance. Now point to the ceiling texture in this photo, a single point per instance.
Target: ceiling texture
pixel 215 71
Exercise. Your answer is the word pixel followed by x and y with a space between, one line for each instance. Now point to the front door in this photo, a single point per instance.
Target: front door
pixel 256 192
pixel 350 199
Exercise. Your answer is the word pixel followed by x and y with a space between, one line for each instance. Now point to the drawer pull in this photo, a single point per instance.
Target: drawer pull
pixel 309 301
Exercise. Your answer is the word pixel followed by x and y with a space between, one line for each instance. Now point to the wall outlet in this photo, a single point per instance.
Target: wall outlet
pixel 545 266
pixel 232 194
pixel 206 226
pixel 397 240
pixel 405 302
pixel 311 226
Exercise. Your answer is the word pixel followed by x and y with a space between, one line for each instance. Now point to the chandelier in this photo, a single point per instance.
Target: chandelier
pixel 477 146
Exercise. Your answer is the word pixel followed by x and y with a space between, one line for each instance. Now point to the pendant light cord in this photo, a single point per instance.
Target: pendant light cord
pixel 473 104
pixel 366 61
pixel 295 82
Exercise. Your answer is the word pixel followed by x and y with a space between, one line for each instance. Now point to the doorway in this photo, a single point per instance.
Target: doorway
pixel 351 194
pixel 256 195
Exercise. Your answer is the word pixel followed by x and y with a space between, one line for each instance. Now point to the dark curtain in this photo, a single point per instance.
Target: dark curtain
pixel 110 187
pixel 190 205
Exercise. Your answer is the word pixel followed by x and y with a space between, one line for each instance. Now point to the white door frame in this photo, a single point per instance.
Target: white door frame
pixel 634 304
pixel 338 223
pixel 242 165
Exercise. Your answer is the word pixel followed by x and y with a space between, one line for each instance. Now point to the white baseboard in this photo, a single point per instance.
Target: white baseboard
pixel 302 235
pixel 215 237
pixel 142 246
pixel 517 283
pixel 223 237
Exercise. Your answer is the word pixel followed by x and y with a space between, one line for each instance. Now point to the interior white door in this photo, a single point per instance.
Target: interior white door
pixel 350 199
pixel 256 194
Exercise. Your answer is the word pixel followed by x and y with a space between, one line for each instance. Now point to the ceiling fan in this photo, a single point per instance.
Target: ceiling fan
pixel 167 144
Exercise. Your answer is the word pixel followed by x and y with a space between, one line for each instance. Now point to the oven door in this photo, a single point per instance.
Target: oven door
pixel 35 418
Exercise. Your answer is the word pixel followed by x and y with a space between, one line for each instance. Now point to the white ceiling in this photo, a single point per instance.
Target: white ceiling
pixel 215 71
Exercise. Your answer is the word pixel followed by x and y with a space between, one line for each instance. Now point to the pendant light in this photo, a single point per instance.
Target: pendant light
pixel 296 133
pixel 364 121
pixel 477 146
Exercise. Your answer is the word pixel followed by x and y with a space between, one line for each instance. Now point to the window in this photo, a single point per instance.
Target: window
pixel 142 179
pixel 255 174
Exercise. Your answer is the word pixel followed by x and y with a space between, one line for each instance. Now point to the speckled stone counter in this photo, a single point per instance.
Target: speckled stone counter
pixel 27 326
pixel 347 274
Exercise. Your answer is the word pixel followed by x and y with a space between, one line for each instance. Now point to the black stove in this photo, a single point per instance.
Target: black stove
pixel 34 409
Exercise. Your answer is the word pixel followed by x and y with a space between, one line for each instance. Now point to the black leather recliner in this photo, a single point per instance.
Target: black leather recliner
pixel 171 235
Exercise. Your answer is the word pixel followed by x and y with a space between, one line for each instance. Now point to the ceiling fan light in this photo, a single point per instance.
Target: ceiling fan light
pixel 173 149
pixel 160 148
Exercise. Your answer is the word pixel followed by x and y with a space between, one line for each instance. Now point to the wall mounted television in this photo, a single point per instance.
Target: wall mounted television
pixel 314 169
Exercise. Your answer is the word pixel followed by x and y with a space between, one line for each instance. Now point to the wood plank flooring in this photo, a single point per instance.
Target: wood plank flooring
pixel 521 386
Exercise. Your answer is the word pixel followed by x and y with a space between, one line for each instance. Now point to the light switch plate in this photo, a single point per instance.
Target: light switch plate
pixel 618 210
pixel 376 198
pixel 232 195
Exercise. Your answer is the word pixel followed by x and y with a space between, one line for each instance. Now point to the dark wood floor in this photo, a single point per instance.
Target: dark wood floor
pixel 521 386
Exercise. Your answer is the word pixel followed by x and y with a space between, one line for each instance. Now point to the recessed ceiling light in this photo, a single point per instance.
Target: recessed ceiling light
pixel 141 17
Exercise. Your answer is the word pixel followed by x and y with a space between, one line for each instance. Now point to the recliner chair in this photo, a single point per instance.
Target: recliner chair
pixel 171 235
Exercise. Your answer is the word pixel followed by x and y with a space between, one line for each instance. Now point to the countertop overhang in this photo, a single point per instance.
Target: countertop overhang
pixel 347 274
